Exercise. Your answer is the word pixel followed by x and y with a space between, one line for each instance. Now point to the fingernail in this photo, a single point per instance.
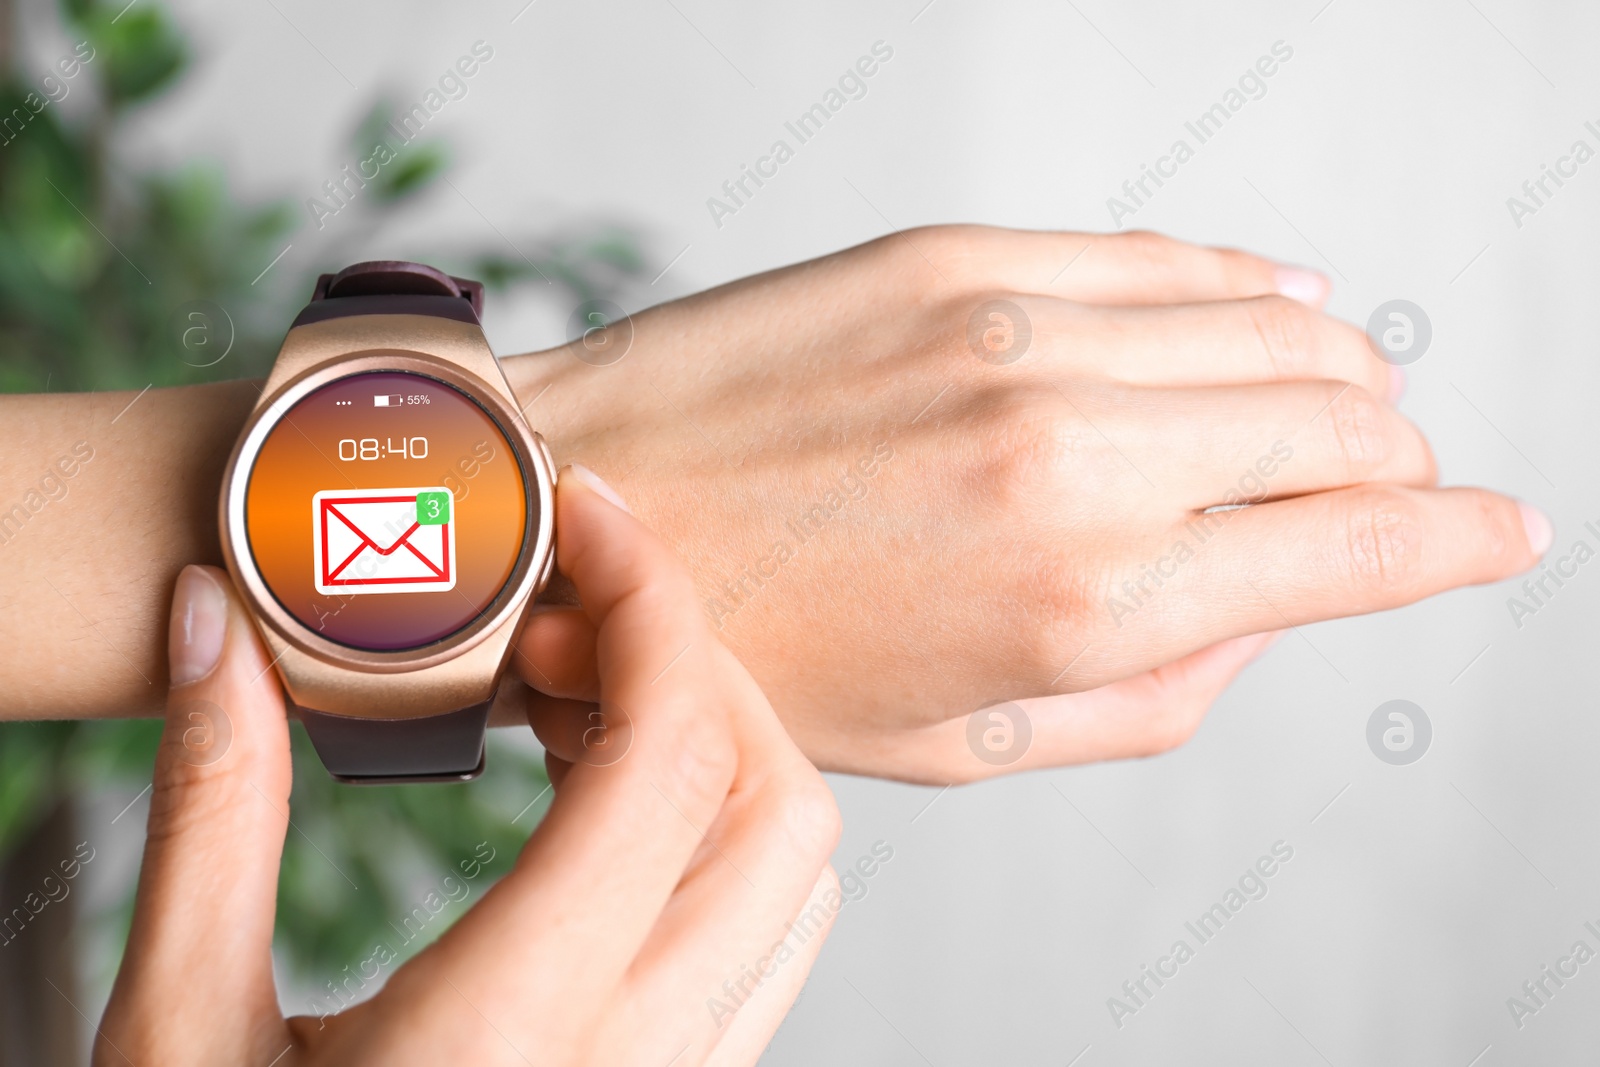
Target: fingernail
pixel 1397 384
pixel 595 482
pixel 199 624
pixel 1540 532
pixel 1306 286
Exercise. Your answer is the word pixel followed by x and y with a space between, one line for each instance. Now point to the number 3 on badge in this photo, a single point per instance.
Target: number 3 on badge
pixel 433 509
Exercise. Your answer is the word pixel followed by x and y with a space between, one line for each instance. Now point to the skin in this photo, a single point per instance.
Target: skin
pixel 615 962
pixel 983 560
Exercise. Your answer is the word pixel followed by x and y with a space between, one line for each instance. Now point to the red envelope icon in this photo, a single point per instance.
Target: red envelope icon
pixel 384 540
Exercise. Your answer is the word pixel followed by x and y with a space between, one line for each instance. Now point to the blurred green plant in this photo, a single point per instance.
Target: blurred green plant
pixel 95 266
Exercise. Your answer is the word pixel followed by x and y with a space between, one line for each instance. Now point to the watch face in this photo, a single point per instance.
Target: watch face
pixel 386 510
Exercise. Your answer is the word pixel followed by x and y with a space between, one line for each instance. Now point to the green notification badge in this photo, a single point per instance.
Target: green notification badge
pixel 433 509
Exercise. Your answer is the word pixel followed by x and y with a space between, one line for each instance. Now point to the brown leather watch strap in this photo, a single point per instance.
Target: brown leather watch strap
pixel 433 748
pixel 447 747
pixel 393 287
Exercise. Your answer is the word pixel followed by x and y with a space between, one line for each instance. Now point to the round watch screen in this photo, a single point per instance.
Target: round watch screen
pixel 386 510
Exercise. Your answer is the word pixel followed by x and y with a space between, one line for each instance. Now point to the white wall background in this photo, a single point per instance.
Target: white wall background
pixel 1383 153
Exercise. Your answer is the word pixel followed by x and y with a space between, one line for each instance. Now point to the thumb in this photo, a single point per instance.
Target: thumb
pixel 218 813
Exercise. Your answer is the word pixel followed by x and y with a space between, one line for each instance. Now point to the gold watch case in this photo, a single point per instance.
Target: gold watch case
pixel 464 668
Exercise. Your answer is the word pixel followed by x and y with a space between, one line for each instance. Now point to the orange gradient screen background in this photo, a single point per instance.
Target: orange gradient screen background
pixel 339 438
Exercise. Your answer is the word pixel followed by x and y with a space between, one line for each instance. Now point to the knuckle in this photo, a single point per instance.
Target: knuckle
pixel 663 604
pixel 1064 599
pixel 1059 605
pixel 1286 333
pixel 193 802
pixel 1227 269
pixel 661 580
pixel 1174 726
pixel 1350 349
pixel 699 759
pixel 1502 538
pixel 963 769
pixel 808 815
pixel 1358 431
pixel 1035 454
pixel 177 808
pixel 1430 462
pixel 960 250
pixel 1383 545
pixel 1145 245
pixel 827 881
pixel 951 236
pixel 1409 443
pixel 1242 270
pixel 824 902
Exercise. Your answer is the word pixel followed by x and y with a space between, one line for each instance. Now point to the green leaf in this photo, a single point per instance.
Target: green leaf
pixel 31 755
pixel 136 53
pixel 413 169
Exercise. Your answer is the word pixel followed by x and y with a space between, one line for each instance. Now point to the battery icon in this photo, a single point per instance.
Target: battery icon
pixel 393 400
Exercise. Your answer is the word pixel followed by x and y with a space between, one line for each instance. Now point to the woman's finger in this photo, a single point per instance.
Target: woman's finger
pixel 777 827
pixel 742 913
pixel 594 877
pixel 556 768
pixel 1136 267
pixel 737 1015
pixel 218 812
pixel 1244 444
pixel 1138 716
pixel 1228 342
pixel 736 906
pixel 556 653
pixel 757 1016
pixel 1145 715
pixel 573 731
pixel 1324 556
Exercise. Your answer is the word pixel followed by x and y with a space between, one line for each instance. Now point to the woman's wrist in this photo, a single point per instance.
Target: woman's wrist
pixel 113 494
pixel 90 558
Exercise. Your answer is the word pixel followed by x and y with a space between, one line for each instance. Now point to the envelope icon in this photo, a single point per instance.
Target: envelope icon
pixel 399 540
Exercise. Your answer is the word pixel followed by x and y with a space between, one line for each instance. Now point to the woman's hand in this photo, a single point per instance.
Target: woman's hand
pixel 648 919
pixel 960 465
pixel 887 522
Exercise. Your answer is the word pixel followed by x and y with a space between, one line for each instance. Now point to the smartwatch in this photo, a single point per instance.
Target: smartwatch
pixel 387 516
